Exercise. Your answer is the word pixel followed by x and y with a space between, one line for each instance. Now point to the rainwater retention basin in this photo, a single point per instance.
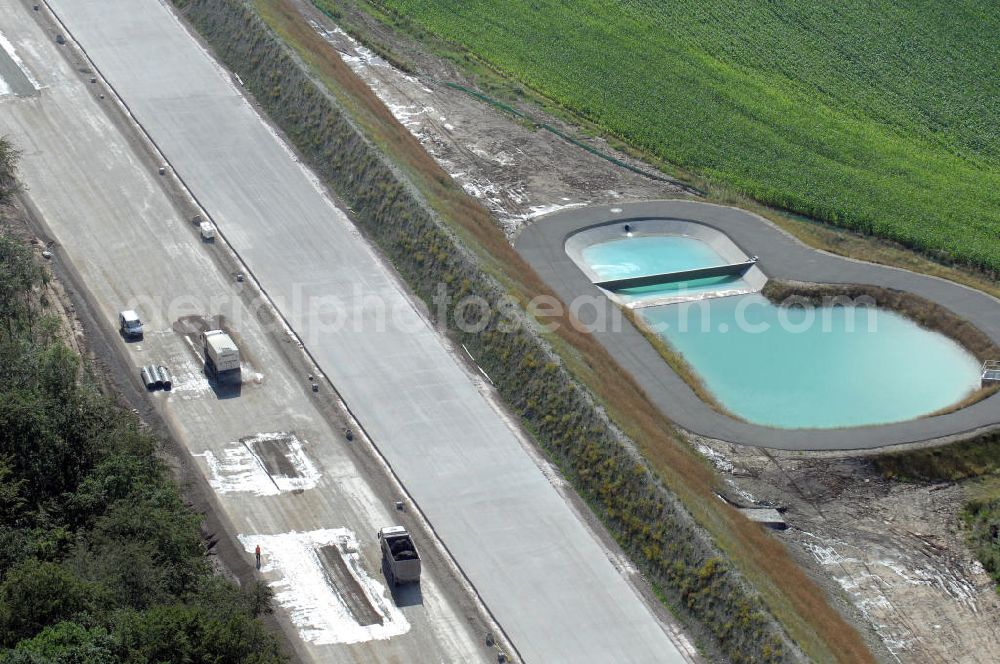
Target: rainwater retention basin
pixel 787 365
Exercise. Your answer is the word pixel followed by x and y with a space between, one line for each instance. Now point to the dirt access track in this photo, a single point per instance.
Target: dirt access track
pixel 543 245
pixel 517 169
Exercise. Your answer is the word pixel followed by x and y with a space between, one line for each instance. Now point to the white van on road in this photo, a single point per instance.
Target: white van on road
pixel 129 324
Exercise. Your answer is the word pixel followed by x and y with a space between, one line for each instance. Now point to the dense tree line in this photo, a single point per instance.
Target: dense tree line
pixel 100 560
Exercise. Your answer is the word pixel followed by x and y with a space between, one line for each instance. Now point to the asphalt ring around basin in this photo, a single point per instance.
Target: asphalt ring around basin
pixel 543 246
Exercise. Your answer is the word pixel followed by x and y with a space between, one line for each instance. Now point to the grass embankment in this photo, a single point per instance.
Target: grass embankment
pixel 100 560
pixel 977 457
pixel 871 115
pixel 981 518
pixel 656 532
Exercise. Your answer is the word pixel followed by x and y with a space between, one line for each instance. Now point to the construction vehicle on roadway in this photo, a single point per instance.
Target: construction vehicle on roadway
pixel 399 555
pixel 222 356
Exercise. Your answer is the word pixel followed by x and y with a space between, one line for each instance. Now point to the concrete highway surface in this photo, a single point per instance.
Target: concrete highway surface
pixel 541 572
pixel 284 477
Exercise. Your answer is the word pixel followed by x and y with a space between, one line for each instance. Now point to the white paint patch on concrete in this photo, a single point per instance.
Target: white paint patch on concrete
pixel 241 470
pixel 12 53
pixel 291 563
pixel 189 382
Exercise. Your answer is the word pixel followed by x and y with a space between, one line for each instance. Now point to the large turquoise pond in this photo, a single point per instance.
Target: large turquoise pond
pixel 818 368
pixel 788 367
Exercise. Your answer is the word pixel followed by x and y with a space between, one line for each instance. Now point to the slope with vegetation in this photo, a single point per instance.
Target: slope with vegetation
pixel 100 560
pixel 880 116
pixel 981 517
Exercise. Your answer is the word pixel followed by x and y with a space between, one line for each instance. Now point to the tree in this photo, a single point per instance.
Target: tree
pixel 38 594
pixel 180 634
pixel 11 498
pixel 19 275
pixel 146 553
pixel 65 643
pixel 28 438
pixel 9 156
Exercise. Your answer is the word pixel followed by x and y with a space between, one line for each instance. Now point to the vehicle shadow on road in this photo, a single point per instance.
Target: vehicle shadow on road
pixel 131 338
pixel 222 389
pixel 408 594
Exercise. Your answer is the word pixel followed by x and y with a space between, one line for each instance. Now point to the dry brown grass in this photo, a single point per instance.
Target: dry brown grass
pixel 974 397
pixel 794 599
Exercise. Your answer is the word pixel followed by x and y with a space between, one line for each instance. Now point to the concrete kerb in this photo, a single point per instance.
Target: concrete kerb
pixel 543 245
pixel 504 640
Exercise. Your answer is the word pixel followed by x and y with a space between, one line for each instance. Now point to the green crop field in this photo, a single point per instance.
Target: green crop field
pixel 879 115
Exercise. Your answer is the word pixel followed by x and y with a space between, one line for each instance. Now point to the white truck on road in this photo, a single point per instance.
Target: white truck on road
pixel 400 555
pixel 222 356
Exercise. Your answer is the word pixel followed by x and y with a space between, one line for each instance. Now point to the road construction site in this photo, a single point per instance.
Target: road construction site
pixel 124 229
pixel 283 474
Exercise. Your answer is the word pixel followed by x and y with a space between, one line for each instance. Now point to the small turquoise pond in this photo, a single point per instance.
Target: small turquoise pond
pixel 849 367
pixel 656 254
pixel 649 254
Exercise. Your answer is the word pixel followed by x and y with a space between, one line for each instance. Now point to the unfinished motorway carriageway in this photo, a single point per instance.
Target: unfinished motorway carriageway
pixel 271 466
pixel 542 573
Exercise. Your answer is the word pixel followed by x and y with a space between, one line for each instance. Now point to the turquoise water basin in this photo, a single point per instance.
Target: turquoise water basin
pixel 651 254
pixel 657 254
pixel 819 368
pixel 787 367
